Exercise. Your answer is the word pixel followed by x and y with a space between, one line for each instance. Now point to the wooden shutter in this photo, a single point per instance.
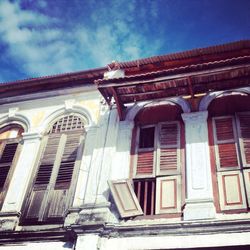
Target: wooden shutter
pixel 244 137
pixel 39 194
pixel 6 159
pixel 60 195
pixel 8 150
pixel 225 143
pixel 246 173
pixel 125 198
pixel 145 164
pixel 168 194
pixel 168 152
pixel 231 190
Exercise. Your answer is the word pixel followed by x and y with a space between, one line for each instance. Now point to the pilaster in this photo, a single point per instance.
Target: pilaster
pixel 199 202
pixel 121 161
pixel 21 178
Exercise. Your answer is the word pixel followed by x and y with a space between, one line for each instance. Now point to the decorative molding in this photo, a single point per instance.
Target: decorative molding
pixel 206 100
pixel 17 118
pixel 12 112
pixel 68 104
pixel 81 111
pixel 133 111
pixel 195 117
pixel 31 136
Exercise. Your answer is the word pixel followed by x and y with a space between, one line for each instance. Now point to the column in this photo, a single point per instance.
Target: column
pixel 199 202
pixel 95 202
pixel 121 161
pixel 21 178
pixel 84 170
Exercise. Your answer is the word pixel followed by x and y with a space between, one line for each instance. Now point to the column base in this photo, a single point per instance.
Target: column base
pixel 199 210
pixel 9 221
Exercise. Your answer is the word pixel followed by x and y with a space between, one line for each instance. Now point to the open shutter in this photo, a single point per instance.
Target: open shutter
pixel 145 163
pixel 125 198
pixel 168 194
pixel 246 173
pixel 168 152
pixel 38 198
pixel 244 137
pixel 60 195
pixel 225 143
pixel 231 190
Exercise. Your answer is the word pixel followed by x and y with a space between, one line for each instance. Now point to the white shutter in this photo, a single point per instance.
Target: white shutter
pixel 168 194
pixel 231 190
pixel 247 183
pixel 125 198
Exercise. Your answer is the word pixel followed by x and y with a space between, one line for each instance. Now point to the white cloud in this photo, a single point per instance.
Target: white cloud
pixel 40 46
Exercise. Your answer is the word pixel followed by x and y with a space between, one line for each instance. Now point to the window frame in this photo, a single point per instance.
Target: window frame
pixel 240 175
pixel 44 214
pixel 157 175
pixel 15 158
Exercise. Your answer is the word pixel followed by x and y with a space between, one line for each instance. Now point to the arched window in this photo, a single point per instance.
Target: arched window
pixel 54 183
pixel 157 165
pixel 9 148
pixel 229 125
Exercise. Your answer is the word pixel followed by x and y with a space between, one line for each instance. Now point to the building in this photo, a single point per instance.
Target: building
pixel 146 154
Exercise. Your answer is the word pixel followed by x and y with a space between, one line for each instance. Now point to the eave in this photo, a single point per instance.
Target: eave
pixel 51 83
pixel 190 80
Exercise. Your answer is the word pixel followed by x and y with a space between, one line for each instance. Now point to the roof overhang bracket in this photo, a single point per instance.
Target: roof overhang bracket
pixel 120 106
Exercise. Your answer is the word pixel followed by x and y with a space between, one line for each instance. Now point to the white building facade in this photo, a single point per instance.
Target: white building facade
pixel 152 154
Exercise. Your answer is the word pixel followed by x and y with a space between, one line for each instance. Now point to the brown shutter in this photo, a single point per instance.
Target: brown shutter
pixel 38 198
pixel 125 198
pixel 7 154
pixel 60 195
pixel 145 163
pixel 225 143
pixel 247 183
pixel 6 159
pixel 231 190
pixel 168 152
pixel 244 137
pixel 168 194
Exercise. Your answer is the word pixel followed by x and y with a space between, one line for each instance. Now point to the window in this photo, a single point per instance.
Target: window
pixel 10 137
pixel 54 183
pixel 157 170
pixel 156 185
pixel 232 154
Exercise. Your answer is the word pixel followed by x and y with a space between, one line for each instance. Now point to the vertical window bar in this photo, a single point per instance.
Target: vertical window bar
pixel 152 197
pixel 139 191
pixel 145 198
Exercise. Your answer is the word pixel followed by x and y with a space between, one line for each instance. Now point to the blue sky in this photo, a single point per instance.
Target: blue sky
pixel 46 37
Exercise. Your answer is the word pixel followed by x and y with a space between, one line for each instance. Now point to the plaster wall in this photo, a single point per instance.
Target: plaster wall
pixel 39 246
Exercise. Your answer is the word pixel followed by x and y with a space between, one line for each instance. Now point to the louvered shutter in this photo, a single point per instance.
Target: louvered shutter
pixel 231 190
pixel 168 194
pixel 59 196
pixel 244 137
pixel 8 151
pixel 168 151
pixel 6 159
pixel 145 163
pixel 225 143
pixel 39 195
